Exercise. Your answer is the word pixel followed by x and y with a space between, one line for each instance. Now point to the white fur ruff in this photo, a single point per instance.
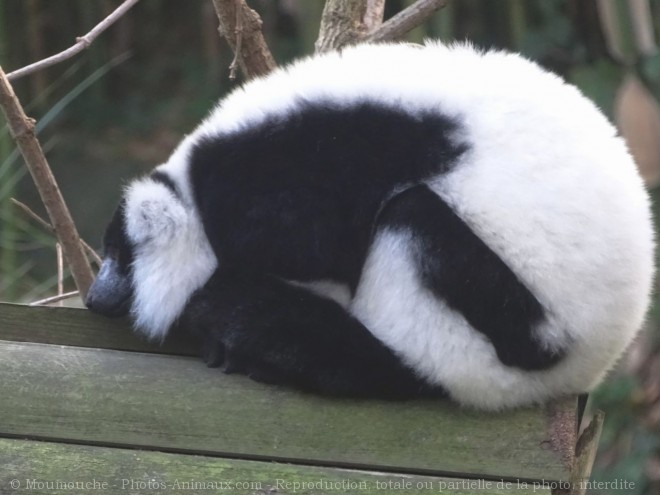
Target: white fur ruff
pixel 172 257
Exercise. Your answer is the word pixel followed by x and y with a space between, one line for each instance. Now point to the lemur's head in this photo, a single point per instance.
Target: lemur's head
pixel 155 256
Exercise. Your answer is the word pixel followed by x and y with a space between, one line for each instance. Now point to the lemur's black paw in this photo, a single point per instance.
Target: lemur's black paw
pixel 213 353
pixel 234 364
pixel 264 376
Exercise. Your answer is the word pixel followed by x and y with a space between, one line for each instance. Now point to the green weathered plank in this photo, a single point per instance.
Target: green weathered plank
pixel 52 468
pixel 79 327
pixel 171 402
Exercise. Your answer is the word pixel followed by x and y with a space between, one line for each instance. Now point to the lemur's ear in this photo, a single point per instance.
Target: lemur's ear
pixel 153 213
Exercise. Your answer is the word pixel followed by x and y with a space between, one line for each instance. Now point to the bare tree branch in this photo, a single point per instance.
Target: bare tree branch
pixel 252 52
pixel 49 228
pixel 406 20
pixel 22 130
pixel 373 16
pixel 342 23
pixel 345 22
pixel 82 43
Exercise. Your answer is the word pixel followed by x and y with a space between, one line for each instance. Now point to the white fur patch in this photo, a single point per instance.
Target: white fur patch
pixel 153 213
pixel 338 292
pixel 172 256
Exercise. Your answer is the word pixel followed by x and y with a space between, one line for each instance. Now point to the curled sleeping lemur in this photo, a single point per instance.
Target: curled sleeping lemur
pixel 394 221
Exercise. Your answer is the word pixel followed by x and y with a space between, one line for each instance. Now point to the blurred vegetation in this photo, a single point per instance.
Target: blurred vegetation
pixel 119 109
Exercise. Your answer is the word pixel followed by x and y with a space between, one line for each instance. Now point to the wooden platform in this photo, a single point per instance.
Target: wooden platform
pixel 85 401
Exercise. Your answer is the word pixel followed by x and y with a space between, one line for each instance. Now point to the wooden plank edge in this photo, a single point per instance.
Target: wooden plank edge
pixel 49 466
pixel 563 423
pixel 585 455
pixel 488 479
pixel 81 328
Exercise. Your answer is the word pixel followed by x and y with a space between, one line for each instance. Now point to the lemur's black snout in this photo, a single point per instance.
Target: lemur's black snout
pixel 110 294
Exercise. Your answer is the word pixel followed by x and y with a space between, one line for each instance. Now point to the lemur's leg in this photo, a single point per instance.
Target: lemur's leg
pixel 459 268
pixel 275 332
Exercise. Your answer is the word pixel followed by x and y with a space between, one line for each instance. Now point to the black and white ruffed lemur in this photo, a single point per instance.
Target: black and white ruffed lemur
pixel 394 221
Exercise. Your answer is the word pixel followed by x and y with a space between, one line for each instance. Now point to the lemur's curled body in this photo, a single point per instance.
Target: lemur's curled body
pixel 394 221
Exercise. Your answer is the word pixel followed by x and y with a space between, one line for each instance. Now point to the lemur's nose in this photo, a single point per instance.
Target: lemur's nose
pixel 110 294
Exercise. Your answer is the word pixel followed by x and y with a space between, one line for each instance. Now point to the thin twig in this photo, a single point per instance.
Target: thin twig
pixel 49 228
pixel 610 23
pixel 642 20
pixel 33 215
pixel 57 298
pixel 60 268
pixel 406 20
pixel 82 43
pixel 238 32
